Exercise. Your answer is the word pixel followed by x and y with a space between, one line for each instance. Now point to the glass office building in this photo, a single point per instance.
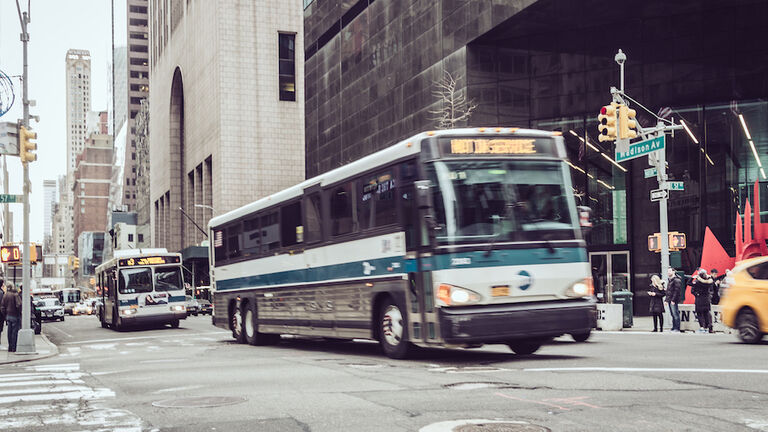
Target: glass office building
pixel 549 64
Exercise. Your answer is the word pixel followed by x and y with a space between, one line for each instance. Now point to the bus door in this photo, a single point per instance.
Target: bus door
pixel 424 319
pixel 110 298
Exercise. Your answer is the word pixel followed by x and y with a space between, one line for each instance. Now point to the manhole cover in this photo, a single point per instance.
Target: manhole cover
pixel 501 427
pixel 199 402
pixel 476 385
pixel 483 425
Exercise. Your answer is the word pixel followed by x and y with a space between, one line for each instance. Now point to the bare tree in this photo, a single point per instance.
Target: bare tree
pixel 455 107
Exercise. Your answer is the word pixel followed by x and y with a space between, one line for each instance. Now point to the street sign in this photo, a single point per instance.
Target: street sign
pixel 658 195
pixel 7 198
pixel 650 172
pixel 676 185
pixel 641 148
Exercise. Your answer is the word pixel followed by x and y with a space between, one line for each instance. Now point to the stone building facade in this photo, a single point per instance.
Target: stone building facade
pixel 220 134
pixel 91 188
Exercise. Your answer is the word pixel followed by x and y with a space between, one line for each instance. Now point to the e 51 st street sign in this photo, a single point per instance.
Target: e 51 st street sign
pixel 641 148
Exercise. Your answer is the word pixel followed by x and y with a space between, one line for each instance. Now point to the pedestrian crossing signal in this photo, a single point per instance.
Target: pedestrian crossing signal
pixel 654 242
pixel 10 255
pixel 676 241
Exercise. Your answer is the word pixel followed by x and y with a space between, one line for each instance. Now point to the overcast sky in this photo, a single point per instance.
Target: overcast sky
pixel 56 26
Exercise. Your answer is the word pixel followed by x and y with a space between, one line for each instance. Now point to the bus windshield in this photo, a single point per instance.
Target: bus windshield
pixel 168 279
pixel 500 200
pixel 135 280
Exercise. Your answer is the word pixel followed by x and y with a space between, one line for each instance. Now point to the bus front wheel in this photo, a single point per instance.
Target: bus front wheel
pixel 174 323
pixel 236 323
pixel 525 346
pixel 393 330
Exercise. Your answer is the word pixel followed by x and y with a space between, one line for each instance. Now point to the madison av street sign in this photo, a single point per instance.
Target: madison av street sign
pixel 641 148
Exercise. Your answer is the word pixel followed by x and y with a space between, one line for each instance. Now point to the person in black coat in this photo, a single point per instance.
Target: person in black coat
pixel 702 290
pixel 656 293
pixel 674 292
pixel 716 281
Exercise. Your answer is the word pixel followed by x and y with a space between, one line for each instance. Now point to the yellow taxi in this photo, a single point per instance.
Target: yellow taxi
pixel 744 302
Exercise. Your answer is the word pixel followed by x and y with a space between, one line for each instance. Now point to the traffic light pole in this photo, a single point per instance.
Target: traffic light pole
pixel 661 175
pixel 26 339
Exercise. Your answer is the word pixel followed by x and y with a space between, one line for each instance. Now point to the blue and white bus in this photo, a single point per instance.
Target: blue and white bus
pixel 141 286
pixel 452 238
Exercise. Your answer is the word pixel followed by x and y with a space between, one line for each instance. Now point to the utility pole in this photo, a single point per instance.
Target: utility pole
pixel 661 175
pixel 26 340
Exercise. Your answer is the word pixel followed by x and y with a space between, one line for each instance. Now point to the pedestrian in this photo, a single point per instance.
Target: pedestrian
pixel 716 281
pixel 2 317
pixel 11 309
pixel 674 289
pixel 702 290
pixel 656 293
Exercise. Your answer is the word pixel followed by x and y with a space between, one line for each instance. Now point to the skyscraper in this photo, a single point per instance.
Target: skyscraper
pixel 78 82
pixel 49 205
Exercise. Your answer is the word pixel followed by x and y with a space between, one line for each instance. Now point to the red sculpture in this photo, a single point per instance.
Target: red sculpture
pixel 749 240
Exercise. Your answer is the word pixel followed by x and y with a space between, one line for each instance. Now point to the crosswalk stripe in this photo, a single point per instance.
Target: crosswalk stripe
pixel 39 383
pixel 44 389
pixel 85 394
pixel 26 376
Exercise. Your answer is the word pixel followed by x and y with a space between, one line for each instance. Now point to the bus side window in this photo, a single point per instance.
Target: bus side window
pixel 220 250
pixel 251 237
pixel 291 230
pixel 234 246
pixel 378 206
pixel 341 209
pixel 270 233
pixel 313 231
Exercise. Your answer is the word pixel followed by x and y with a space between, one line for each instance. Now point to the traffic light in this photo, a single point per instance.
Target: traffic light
pixel 677 241
pixel 10 254
pixel 627 124
pixel 607 119
pixel 75 263
pixel 26 146
pixel 35 253
pixel 654 242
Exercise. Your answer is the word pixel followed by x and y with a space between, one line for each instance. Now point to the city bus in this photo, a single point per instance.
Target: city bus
pixel 68 297
pixel 141 286
pixel 453 238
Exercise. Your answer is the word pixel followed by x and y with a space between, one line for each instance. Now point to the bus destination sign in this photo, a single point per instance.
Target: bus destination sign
pixel 498 147
pixel 129 262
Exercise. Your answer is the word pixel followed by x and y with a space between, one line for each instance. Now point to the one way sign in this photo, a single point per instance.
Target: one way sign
pixel 658 195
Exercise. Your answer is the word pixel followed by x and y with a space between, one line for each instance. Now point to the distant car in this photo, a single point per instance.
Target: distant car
pixel 193 308
pixel 50 309
pixel 82 308
pixel 744 300
pixel 205 306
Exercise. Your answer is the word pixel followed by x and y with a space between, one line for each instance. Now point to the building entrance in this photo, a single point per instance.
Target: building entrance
pixel 610 272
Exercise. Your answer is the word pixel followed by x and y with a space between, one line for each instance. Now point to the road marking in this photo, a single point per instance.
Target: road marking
pixel 144 337
pixel 41 382
pixel 628 369
pixel 163 361
pixel 58 329
pixel 173 389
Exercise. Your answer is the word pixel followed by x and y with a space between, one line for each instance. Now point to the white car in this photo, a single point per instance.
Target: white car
pixel 50 309
pixel 82 309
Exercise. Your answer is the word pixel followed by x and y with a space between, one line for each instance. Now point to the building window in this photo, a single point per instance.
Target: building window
pixel 141 238
pixel 287 72
pixel 130 237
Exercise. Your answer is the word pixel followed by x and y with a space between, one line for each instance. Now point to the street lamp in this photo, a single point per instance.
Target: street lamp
pixel 206 206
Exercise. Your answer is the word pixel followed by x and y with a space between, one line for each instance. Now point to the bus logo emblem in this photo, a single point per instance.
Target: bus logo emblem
pixel 527 280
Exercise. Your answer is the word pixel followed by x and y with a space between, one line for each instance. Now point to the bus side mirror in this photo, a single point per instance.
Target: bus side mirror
pixel 585 219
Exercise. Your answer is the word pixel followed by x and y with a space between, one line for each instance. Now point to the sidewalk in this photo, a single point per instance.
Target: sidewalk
pixel 645 324
pixel 44 349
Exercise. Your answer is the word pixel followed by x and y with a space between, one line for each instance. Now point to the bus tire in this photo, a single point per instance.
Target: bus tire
pixel 174 323
pixel 236 324
pixel 393 330
pixel 524 346
pixel 115 324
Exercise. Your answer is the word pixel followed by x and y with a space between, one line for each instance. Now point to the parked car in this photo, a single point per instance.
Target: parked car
pixel 744 301
pixel 82 308
pixel 50 309
pixel 193 308
pixel 205 306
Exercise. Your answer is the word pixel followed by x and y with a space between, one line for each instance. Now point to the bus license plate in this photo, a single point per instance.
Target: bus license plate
pixel 500 291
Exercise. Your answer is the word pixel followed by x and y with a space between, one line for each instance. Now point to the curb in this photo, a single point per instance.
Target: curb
pixel 54 352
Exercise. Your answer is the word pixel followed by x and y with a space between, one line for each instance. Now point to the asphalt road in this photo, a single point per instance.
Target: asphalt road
pixel 629 381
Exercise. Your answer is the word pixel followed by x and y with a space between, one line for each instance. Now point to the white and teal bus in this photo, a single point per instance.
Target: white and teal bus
pixel 452 238
pixel 141 286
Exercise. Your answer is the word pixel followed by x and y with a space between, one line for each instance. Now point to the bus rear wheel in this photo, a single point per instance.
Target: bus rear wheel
pixel 393 330
pixel 236 324
pixel 174 323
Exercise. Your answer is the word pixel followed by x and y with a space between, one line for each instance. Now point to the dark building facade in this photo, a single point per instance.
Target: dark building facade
pixel 371 69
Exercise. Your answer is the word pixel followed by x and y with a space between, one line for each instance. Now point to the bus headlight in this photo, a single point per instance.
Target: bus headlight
pixel 582 288
pixel 177 308
pixel 449 295
pixel 128 312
